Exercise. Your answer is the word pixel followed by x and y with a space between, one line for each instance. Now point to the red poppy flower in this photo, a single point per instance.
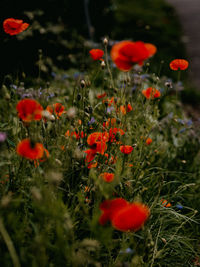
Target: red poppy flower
pixel 29 110
pixel 151 48
pixel 151 93
pixel 76 134
pixel 113 133
pixel 109 122
pixel 148 141
pixel 14 26
pixel 107 177
pixel 97 137
pixel 96 54
pixel 30 150
pixel 92 165
pixel 91 153
pixel 126 149
pixel 165 203
pixel 177 64
pixel 131 217
pixel 125 109
pixel 56 108
pixel 109 208
pixel 99 96
pixel 127 53
pixel 97 142
pixel 110 101
pixel 112 159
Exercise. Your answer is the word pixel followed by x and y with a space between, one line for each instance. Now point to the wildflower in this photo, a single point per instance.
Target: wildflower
pixel 113 134
pixel 148 141
pixel 126 251
pixel 125 109
pixel 56 109
pixel 29 110
pixel 151 48
pixel 92 121
pixel 112 159
pixel 96 54
pixel 110 101
pixel 127 53
pixel 165 203
pixel 45 155
pixel 105 41
pixel 97 137
pixel 151 93
pixel 92 165
pixel 123 215
pixel 14 26
pixel 97 142
pixel 107 177
pixel 131 217
pixel 179 64
pixel 179 206
pixel 2 137
pixel 110 121
pixel 99 96
pixel 30 150
pixel 109 208
pixel 76 134
pixel 126 149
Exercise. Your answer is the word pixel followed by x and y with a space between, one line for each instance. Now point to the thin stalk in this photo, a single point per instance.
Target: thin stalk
pixel 9 244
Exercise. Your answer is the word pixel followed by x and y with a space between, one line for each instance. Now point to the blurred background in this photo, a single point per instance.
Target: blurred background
pixel 62 32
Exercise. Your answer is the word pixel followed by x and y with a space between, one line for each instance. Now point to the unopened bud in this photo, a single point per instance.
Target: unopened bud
pixel 82 83
pixel 103 64
pixel 105 41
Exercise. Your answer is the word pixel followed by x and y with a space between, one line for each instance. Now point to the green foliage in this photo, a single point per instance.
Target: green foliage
pixel 50 211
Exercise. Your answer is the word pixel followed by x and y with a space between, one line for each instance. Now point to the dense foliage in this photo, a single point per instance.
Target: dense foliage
pixel 50 207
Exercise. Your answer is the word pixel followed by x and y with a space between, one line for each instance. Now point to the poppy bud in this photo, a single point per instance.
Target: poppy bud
pixel 168 84
pixel 78 97
pixel 90 109
pixel 105 41
pixel 82 83
pixel 103 64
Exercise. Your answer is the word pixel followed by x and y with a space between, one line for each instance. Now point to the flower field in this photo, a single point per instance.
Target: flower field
pixel 99 167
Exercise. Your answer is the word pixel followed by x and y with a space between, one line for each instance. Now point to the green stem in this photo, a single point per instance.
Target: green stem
pixel 9 244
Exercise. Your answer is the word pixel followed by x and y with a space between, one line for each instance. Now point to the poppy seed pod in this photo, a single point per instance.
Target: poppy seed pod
pixel 82 83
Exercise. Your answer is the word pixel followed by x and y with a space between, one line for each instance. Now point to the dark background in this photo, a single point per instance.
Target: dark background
pixel 60 29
